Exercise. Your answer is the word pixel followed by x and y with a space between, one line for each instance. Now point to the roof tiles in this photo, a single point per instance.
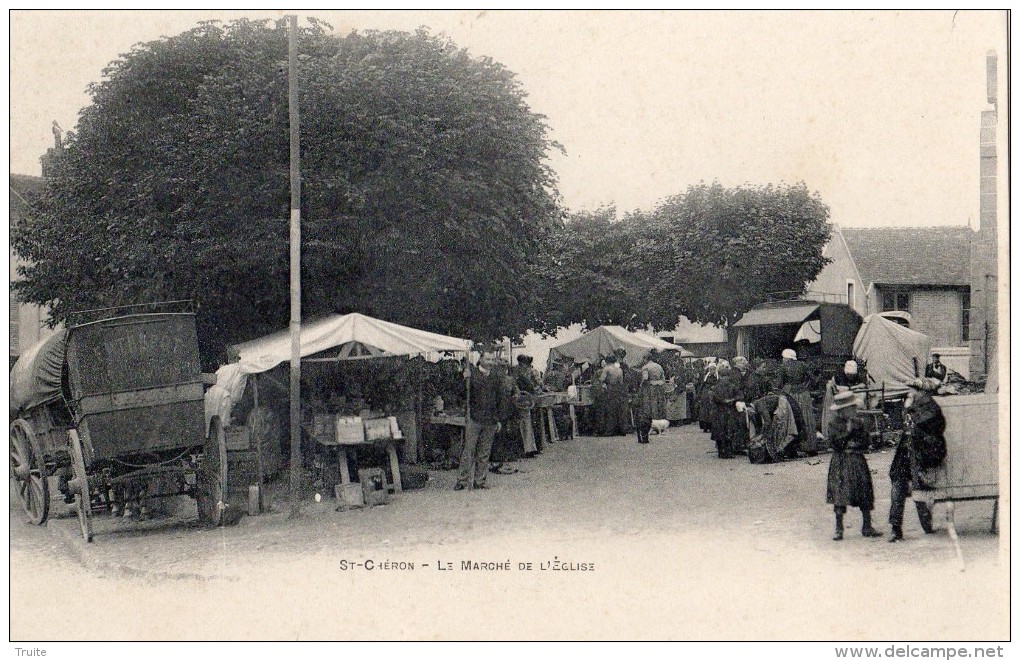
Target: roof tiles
pixel 911 255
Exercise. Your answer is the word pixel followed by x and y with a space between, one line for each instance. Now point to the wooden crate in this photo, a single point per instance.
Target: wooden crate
pixel 377 430
pixel 350 430
pixel 324 428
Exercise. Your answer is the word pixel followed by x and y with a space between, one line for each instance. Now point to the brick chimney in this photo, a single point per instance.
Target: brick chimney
pixel 984 267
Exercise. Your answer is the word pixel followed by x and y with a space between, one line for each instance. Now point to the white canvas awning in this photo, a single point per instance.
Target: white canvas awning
pixel 774 314
pixel 354 336
pixel 604 340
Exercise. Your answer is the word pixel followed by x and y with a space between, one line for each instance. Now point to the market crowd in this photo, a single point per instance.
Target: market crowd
pixel 778 410
pixel 507 424
pixel 768 411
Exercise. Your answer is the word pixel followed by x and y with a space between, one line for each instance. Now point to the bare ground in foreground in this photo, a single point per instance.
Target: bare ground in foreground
pixel 684 546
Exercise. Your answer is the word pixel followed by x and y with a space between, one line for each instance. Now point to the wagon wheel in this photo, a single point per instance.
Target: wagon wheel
pixel 212 476
pixel 28 469
pixel 79 485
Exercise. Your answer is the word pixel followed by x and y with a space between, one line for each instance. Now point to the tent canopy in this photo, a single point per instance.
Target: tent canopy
pixel 604 340
pixel 891 351
pixel 35 378
pixel 353 335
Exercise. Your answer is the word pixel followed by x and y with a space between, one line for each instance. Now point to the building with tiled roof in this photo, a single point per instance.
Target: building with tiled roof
pixel 924 271
pixel 921 270
pixel 911 256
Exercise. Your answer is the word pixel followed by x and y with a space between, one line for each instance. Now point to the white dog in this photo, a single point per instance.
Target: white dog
pixel 659 426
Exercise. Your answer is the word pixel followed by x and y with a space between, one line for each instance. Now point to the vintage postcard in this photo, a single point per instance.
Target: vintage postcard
pixel 611 325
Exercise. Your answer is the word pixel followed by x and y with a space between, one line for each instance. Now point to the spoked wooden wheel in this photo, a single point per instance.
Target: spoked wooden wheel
pixel 28 470
pixel 212 476
pixel 79 485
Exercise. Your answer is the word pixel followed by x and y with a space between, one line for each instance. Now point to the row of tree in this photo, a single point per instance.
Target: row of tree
pixel 710 254
pixel 427 199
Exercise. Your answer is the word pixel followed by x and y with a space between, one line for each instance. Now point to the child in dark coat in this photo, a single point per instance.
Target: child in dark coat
pixel 849 483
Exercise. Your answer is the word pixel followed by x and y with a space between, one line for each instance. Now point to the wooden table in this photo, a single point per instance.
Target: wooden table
pixel 391 451
pixel 573 404
pixel 545 402
pixel 452 420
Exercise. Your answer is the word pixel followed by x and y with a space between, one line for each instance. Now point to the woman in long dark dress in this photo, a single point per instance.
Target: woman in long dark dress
pixel 795 378
pixel 725 395
pixel 706 407
pixel 849 482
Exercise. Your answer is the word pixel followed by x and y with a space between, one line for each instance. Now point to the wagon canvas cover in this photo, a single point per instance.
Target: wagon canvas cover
pixel 890 351
pixel 35 378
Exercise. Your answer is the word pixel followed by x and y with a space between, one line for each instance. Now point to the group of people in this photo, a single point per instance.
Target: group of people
pixel 764 411
pixel 768 413
pixel 919 453
pixel 504 424
pixel 627 399
pixel 493 392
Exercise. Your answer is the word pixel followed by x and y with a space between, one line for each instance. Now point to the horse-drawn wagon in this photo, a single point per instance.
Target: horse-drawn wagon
pixel 113 408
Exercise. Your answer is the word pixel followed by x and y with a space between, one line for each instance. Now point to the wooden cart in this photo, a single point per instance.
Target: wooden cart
pixel 113 408
pixel 971 469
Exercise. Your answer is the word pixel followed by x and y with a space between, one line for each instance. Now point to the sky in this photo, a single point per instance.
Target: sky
pixel 878 112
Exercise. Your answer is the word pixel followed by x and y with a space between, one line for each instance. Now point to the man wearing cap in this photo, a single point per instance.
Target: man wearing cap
pixel 490 405
pixel 920 451
pixel 849 479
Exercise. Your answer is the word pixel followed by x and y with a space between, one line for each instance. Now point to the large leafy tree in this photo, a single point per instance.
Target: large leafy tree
pixel 710 254
pixel 426 194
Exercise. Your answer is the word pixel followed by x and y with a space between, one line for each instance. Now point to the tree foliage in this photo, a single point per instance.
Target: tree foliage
pixel 588 272
pixel 713 253
pixel 710 254
pixel 425 191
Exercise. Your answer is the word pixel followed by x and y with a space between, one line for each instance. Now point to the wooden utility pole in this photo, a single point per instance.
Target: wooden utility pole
pixel 296 463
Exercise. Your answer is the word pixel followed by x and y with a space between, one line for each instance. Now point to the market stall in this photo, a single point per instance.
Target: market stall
pixel 599 343
pixel 328 341
pixel 826 332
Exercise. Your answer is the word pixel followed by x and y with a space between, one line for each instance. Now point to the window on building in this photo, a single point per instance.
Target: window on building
pixel 850 300
pixel 965 316
pixel 896 300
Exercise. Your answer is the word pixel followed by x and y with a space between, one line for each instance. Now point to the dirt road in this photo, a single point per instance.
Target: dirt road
pixel 662 541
